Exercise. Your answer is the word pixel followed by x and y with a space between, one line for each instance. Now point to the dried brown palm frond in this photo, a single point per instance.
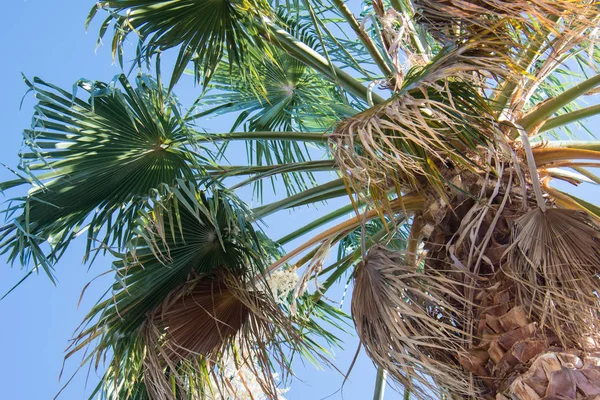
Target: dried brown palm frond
pixel 411 139
pixel 412 324
pixel 209 330
pixel 554 261
pixel 447 20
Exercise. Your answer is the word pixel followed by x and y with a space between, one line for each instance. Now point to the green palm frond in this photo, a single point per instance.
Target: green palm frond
pixel 188 237
pixel 283 99
pixel 186 234
pixel 93 157
pixel 287 96
pixel 202 30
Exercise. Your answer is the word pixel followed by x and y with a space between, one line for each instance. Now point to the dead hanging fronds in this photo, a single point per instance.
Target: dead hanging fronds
pixel 412 324
pixel 448 20
pixel 414 137
pixel 554 261
pixel 215 336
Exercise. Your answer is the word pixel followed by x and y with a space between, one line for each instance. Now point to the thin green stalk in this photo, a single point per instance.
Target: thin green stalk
pixel 309 166
pixel 313 59
pixel 316 223
pixel 364 37
pixel 237 170
pixel 260 135
pixel 326 191
pixel 380 383
pixel 593 145
pixel 540 114
pixel 568 118
pixel 531 52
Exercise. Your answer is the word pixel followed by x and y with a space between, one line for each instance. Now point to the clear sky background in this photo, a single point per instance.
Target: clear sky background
pixel 47 39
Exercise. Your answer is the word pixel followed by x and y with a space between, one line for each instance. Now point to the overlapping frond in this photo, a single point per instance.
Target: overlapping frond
pixel 412 138
pixel 285 96
pixel 553 260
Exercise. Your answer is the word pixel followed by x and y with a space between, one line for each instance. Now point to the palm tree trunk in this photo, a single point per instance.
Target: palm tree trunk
pixel 516 352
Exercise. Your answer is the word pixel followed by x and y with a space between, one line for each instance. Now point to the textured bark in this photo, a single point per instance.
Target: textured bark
pixel 513 353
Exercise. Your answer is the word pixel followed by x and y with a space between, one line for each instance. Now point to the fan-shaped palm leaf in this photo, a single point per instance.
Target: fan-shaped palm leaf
pixel 189 293
pixel 285 96
pixel 92 161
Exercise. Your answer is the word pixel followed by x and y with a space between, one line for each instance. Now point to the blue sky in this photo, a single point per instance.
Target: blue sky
pixel 47 39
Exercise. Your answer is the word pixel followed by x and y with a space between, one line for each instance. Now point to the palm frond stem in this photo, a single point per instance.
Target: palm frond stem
pixel 309 166
pixel 412 202
pixel 537 117
pixel 237 170
pixel 588 174
pixel 380 382
pixel 316 223
pixel 570 117
pixel 550 155
pixel 325 191
pixel 571 144
pixel 260 135
pixel 304 53
pixel 364 37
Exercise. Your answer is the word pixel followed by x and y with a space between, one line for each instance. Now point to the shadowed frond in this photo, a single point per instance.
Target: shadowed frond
pixel 285 96
pixel 93 157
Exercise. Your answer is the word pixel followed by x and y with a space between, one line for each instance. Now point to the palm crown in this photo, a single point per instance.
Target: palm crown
pixel 444 124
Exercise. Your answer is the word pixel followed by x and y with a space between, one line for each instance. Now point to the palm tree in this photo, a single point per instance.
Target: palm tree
pixel 444 123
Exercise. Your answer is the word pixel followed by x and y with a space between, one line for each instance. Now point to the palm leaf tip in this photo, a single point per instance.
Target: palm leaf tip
pixel 202 30
pixel 409 323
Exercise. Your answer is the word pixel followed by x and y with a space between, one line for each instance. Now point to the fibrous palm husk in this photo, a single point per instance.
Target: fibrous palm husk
pixel 221 325
pixel 560 375
pixel 410 323
pixel 535 294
